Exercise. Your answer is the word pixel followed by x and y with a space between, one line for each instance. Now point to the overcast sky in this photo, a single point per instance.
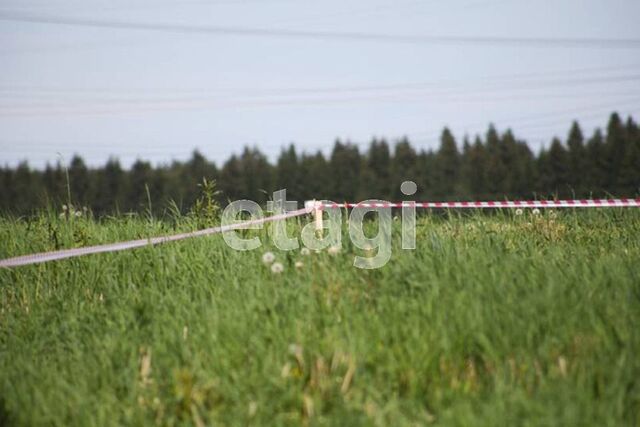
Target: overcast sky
pixel 155 79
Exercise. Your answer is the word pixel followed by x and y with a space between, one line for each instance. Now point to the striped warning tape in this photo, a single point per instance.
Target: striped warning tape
pixel 584 203
pixel 310 207
pixel 121 246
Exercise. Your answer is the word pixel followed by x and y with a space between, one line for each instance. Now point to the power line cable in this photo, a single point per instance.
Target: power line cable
pixel 566 42
pixel 142 105
pixel 496 79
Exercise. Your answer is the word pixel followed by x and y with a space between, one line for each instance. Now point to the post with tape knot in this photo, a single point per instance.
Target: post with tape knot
pixel 315 207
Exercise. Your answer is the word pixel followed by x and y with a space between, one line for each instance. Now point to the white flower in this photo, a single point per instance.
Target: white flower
pixel 64 207
pixel 334 250
pixel 268 258
pixel 78 213
pixel 305 251
pixel 536 211
pixel 299 264
pixel 277 268
pixel 518 212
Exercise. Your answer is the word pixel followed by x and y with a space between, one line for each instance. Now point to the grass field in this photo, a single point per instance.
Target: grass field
pixel 492 320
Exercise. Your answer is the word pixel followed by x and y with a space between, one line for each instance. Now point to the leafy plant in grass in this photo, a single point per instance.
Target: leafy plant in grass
pixel 206 210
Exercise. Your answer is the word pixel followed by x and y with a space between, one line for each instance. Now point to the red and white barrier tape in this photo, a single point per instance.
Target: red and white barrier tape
pixel 121 246
pixel 309 208
pixel 585 203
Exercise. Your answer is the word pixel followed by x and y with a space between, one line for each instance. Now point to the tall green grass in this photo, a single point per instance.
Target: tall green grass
pixel 492 320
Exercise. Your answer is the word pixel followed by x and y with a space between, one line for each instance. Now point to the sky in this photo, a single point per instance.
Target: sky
pixel 156 79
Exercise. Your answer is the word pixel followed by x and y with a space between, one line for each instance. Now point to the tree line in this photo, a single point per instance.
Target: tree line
pixel 496 165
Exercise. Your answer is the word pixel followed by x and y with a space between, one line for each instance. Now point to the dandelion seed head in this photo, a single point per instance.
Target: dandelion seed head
pixel 536 211
pixel 305 251
pixel 277 268
pixel 299 264
pixel 518 212
pixel 268 257
pixel 334 250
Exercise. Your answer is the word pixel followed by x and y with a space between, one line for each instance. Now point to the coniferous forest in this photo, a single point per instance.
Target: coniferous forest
pixel 496 165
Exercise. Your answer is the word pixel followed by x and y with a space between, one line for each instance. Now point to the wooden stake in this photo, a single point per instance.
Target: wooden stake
pixel 317 214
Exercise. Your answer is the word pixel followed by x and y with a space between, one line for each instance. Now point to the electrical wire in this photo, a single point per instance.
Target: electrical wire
pixel 564 42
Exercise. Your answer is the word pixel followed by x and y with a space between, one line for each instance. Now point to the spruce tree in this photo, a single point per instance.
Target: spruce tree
pixel 473 169
pixel 496 170
pixel 289 174
pixel 192 174
pixel 577 160
pixel 615 144
pixel 231 179
pixel 403 167
pixel 140 179
pixel 629 175
pixel 54 182
pixel 509 153
pixel 316 176
pixel 598 166
pixel 345 166
pixel 426 175
pixel 376 172
pixel 257 175
pixel 79 181
pixel 110 187
pixel 466 168
pixel 555 170
pixel 447 166
pixel 6 189
pixel 526 172
pixel 24 188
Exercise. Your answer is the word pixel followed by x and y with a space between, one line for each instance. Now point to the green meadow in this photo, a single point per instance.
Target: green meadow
pixel 494 319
